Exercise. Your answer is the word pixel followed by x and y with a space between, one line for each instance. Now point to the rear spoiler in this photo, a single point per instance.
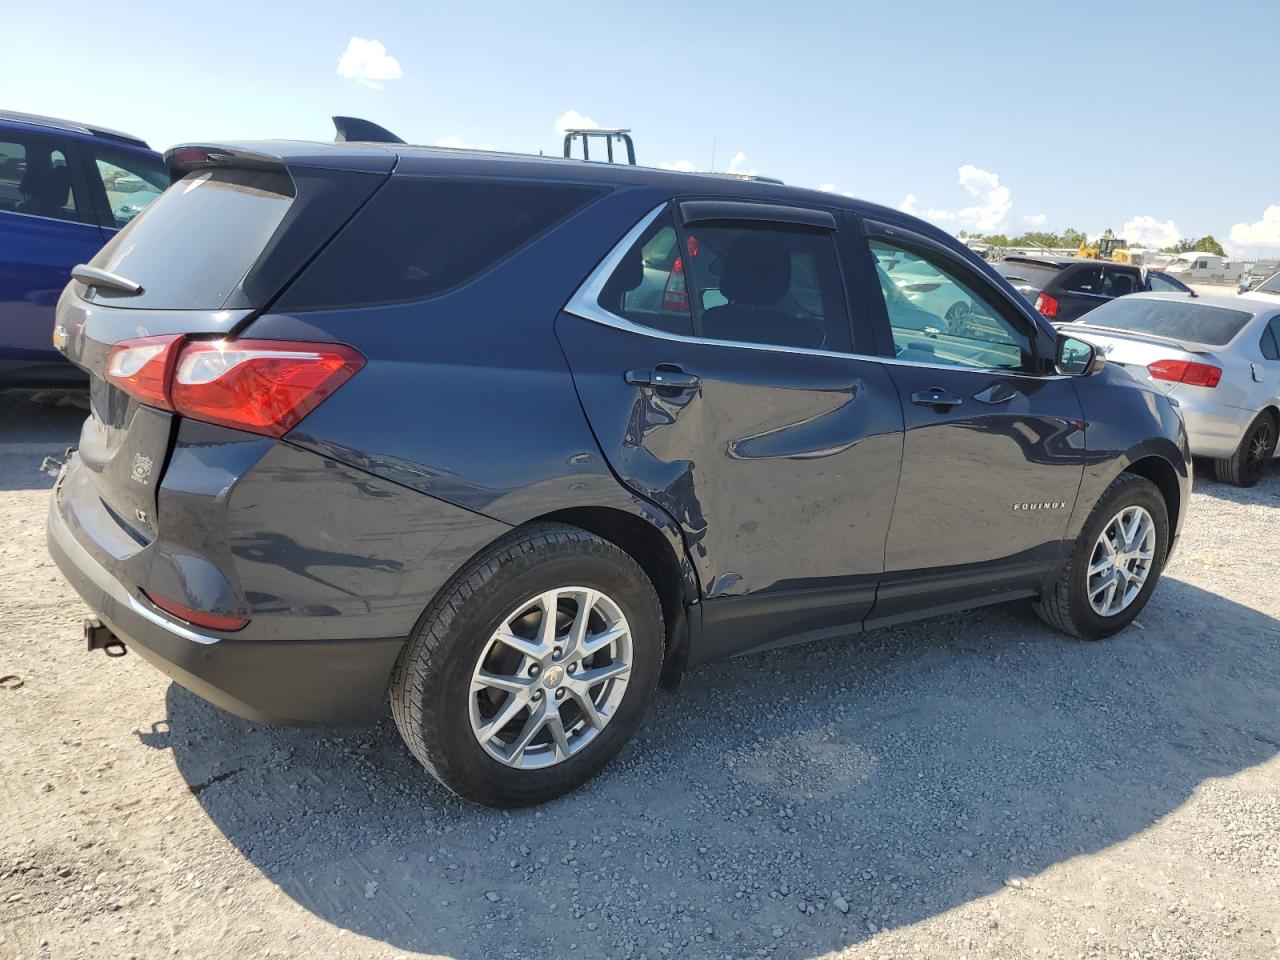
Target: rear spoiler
pixel 280 156
pixel 1197 348
pixel 353 128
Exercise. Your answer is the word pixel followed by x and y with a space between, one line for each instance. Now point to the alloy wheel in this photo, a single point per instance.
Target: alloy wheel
pixel 551 677
pixel 1121 561
pixel 1261 446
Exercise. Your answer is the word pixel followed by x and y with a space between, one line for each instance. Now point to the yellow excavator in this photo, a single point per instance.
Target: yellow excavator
pixel 1109 247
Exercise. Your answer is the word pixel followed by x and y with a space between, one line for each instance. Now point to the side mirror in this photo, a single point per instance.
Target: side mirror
pixel 1077 358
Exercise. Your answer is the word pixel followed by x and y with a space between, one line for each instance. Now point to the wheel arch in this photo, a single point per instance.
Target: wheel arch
pixel 1161 473
pixel 656 546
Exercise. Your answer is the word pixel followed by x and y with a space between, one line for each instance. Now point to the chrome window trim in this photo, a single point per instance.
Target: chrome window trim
pixel 37 216
pixel 585 304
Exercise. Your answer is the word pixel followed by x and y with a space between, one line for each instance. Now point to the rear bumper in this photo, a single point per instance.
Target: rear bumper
pixel 1213 430
pixel 287 682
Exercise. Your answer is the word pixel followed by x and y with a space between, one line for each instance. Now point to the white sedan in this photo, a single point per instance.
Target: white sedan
pixel 1218 357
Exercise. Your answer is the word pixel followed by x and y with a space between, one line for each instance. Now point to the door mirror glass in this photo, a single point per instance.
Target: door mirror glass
pixel 1076 357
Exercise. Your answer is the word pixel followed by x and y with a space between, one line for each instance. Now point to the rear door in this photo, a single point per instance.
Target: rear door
pixel 993 452
pixel 722 385
pixel 47 226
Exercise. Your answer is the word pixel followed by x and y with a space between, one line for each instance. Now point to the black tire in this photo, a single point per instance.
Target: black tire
pixel 430 686
pixel 1248 464
pixel 1065 604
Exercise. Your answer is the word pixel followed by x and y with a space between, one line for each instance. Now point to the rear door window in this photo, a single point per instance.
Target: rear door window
pixel 419 237
pixel 199 239
pixel 1119 283
pixel 1270 344
pixel 131 181
pixel 36 179
pixel 1084 280
pixel 768 283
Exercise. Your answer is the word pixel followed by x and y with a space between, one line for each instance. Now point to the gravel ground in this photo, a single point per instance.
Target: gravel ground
pixel 975 786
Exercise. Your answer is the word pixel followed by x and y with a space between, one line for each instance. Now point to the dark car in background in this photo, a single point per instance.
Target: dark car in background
pixel 65 189
pixel 378 420
pixel 1064 289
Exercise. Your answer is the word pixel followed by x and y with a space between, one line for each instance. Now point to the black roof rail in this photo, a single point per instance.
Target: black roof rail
pixel 71 126
pixel 364 131
pixel 621 134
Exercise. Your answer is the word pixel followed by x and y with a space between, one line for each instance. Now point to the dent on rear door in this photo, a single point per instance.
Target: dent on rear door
pixel 781 468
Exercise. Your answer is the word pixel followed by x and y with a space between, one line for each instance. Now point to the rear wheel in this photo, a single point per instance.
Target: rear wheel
pixel 1249 463
pixel 532 669
pixel 1114 565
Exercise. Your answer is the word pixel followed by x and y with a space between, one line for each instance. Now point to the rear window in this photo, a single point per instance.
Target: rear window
pixel 420 237
pixel 191 248
pixel 1270 286
pixel 1178 320
pixel 1026 274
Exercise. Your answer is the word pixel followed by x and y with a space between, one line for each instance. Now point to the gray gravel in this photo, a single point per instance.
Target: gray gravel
pixel 970 786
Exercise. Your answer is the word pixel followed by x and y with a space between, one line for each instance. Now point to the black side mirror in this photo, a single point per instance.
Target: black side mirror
pixel 1077 358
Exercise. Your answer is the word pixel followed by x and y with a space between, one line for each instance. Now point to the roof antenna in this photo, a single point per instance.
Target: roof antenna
pixel 713 155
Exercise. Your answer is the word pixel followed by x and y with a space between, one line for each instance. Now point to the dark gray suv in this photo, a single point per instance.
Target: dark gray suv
pixel 513 440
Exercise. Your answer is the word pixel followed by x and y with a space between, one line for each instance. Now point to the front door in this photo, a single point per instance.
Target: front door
pixel 993 452
pixel 715 364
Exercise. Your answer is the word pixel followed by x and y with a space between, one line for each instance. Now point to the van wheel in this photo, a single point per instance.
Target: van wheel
pixel 532 668
pixel 1114 565
pixel 1248 464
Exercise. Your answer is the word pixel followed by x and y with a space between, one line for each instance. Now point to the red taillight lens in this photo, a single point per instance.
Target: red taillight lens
pixel 1186 371
pixel 262 386
pixel 676 296
pixel 199 618
pixel 1047 306
pixel 141 368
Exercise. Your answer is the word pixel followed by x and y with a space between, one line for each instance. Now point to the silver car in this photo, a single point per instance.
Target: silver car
pixel 1219 357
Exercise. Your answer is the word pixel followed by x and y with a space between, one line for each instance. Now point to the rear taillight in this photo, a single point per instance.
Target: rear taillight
pixel 676 296
pixel 261 386
pixel 1047 306
pixel 141 368
pixel 213 621
pixel 1186 371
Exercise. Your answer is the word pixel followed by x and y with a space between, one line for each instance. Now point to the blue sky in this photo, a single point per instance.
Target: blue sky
pixel 1161 116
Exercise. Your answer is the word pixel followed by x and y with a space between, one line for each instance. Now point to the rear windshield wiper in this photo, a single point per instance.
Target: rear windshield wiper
pixel 93 277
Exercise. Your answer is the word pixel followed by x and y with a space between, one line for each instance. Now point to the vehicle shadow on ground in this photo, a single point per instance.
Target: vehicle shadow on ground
pixel 1266 492
pixel 910 771
pixel 35 424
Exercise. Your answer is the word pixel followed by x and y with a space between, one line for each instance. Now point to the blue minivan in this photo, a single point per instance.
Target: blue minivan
pixel 65 189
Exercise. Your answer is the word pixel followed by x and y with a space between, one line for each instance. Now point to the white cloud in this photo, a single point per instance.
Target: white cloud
pixel 1262 233
pixel 684 166
pixel 832 188
pixel 737 164
pixel 1147 231
pixel 456 142
pixel 1035 219
pixel 367 62
pixel 573 120
pixel 989 215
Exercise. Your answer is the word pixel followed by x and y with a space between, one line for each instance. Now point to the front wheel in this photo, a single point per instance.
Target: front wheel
pixel 1114 565
pixel 1248 464
pixel 532 668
